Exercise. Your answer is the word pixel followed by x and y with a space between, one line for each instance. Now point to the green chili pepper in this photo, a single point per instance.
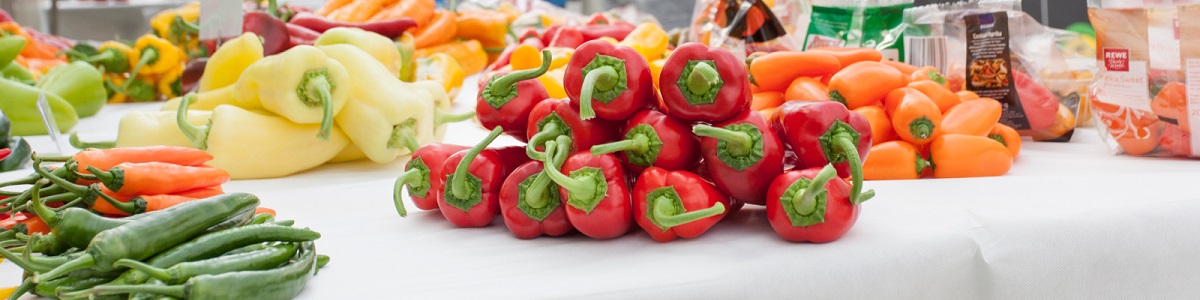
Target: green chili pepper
pixel 51 288
pixel 79 83
pixel 235 221
pixel 10 47
pixel 217 243
pixel 148 236
pixel 20 105
pixel 74 226
pixel 18 157
pixel 258 260
pixel 283 283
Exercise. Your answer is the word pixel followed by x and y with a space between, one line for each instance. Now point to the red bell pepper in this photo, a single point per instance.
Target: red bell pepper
pixel 811 205
pixel 742 155
pixel 699 83
pixel 552 118
pixel 423 175
pixel 671 204
pixel 512 156
pixel 562 36
pixel 826 132
pixel 391 28
pixel 600 25
pixel 616 77
pixel 470 194
pixel 597 193
pixel 507 99
pixel 530 202
pixel 646 134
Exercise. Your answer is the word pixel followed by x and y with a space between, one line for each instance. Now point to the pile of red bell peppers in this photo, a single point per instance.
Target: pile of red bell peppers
pixel 674 160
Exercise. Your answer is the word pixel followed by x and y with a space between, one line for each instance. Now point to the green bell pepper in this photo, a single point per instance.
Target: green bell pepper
pixel 17 73
pixel 20 105
pixel 19 156
pixel 10 47
pixel 79 83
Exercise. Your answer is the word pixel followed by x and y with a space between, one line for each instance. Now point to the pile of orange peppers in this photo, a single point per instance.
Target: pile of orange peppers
pixel 920 127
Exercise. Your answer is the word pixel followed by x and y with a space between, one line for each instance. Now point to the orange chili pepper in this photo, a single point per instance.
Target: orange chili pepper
pixel 941 95
pixel 13 220
pixel 899 66
pixel 808 89
pixel 35 224
pixel 960 156
pixel 203 192
pixel 264 210
pixel 865 83
pixel 1008 137
pixel 488 26
pixel 766 100
pixel 468 53
pixel 441 29
pixel 420 11
pixel 1136 131
pixel 931 74
pixel 894 160
pixel 331 6
pixel 105 159
pixel 360 10
pixel 123 205
pixel 153 178
pixel 775 71
pixel 1171 103
pixel 1064 122
pixel 881 125
pixel 972 118
pixel 916 118
pixel 967 95
pixel 849 56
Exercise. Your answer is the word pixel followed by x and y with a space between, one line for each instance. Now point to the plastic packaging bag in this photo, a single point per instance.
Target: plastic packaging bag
pixel 859 23
pixel 994 49
pixel 766 26
pixel 1149 63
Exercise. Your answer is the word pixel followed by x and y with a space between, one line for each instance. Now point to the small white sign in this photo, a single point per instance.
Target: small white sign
pixel 220 19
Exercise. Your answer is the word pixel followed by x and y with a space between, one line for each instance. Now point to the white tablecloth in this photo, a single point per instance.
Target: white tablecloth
pixel 1070 221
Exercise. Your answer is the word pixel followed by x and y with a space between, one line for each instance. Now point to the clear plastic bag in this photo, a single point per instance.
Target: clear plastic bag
pixel 766 26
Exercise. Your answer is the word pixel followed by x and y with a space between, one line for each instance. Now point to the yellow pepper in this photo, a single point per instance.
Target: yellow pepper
pixel 161 22
pixel 154 55
pixel 380 47
pixel 386 117
pixel 656 67
pixel 610 40
pixel 441 68
pixel 489 27
pixel 143 128
pixel 648 39
pixel 229 61
pixel 205 101
pixel 468 53
pixel 170 84
pixel 527 57
pixel 408 56
pixel 348 154
pixel 300 84
pixel 114 57
pixel 252 144
pixel 114 80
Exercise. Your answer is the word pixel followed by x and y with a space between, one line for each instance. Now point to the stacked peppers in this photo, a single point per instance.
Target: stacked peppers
pixel 675 170
pixel 228 238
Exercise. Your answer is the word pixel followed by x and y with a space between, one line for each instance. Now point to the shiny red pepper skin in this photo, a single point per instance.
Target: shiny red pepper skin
pixel 513 157
pixel 273 31
pixel 802 123
pixel 621 99
pixel 480 185
pixel 584 134
pixel 689 190
pixel 518 222
pixel 562 36
pixel 506 99
pixel 300 35
pixel 839 214
pixel 694 59
pixel 612 215
pixel 391 28
pixel 669 143
pixel 618 31
pixel 428 160
pixel 748 184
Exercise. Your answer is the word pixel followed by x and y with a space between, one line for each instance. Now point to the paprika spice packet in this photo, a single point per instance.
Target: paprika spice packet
pixel 1149 63
pixel 997 51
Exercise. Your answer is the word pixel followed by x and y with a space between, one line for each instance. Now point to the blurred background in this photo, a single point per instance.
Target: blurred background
pixel 98 19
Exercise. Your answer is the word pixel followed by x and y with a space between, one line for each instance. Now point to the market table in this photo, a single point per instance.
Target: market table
pixel 1070 221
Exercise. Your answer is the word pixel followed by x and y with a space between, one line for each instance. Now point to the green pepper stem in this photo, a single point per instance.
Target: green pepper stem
pixel 186 26
pixel 197 134
pixel 114 178
pixel 664 213
pixel 404 135
pixel 29 179
pixel 640 143
pixel 318 88
pixel 82 262
pixel 78 144
pixel 702 78
pixel 600 78
pixel 148 55
pixel 177 291
pixel 59 182
pixel 39 207
pixel 103 56
pixel 126 207
pixel 26 286
pixel 286 223
pixel 740 143
pixel 806 202
pixel 405 179
pixel 536 195
pixel 922 164
pixel 459 185
pixel 28 265
pixel 575 185
pixel 843 143
pixel 56 158
pixel 153 271
pixel 445 117
pixel 504 85
pixel 273 9
pixel 549 132
pixel 73 203
pixel 921 128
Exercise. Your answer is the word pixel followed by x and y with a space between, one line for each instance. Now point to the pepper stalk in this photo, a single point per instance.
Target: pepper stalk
pixel 458 192
pixel 804 200
pixel 840 143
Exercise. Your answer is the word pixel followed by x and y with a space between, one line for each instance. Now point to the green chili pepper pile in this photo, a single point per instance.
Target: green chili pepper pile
pixel 221 247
